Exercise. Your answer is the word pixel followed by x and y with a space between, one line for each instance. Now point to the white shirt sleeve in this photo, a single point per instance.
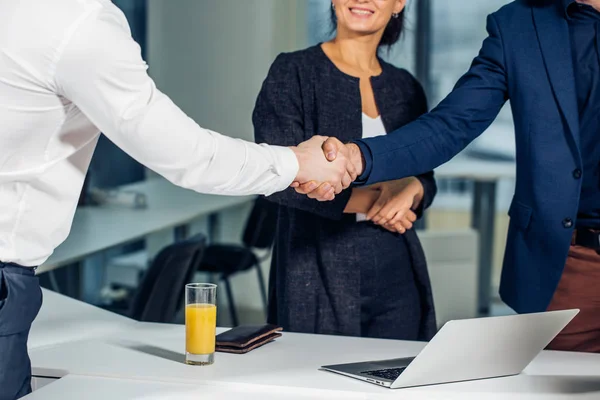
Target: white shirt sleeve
pixel 101 71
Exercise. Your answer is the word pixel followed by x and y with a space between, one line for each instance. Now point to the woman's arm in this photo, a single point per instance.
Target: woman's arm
pixel 361 200
pixel 403 195
pixel 370 199
pixel 278 119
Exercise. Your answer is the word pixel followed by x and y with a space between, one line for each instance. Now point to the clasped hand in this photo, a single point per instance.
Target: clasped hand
pixel 394 206
pixel 327 167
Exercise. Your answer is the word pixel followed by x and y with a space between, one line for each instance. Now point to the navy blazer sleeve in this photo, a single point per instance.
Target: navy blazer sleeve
pixel 427 179
pixel 278 120
pixel 438 136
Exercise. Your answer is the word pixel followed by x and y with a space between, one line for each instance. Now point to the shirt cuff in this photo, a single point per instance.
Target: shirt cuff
pixel 285 166
pixel 368 157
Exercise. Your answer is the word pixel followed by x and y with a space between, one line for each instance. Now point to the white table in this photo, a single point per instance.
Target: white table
pixel 153 353
pixel 64 320
pixel 485 175
pixel 98 228
pixel 75 387
pixel 128 357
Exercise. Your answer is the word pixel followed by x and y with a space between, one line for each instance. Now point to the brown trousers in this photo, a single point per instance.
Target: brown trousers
pixel 579 287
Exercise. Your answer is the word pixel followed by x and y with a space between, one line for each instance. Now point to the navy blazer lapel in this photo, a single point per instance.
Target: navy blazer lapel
pixel 553 34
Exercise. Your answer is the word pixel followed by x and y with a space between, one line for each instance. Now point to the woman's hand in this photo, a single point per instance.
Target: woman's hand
pixel 394 207
pixel 405 224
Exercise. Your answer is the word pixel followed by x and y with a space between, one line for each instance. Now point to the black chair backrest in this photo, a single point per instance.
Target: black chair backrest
pixel 162 289
pixel 260 226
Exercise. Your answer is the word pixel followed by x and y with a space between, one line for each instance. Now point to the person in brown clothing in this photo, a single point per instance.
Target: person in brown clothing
pixel 576 291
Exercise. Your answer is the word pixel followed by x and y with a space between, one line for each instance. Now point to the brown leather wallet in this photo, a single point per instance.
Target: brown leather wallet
pixel 244 338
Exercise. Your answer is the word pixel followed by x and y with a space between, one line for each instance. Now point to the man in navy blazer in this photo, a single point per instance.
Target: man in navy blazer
pixel 543 56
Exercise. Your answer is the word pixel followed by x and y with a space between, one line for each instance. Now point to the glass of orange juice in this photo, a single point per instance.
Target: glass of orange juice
pixel 200 323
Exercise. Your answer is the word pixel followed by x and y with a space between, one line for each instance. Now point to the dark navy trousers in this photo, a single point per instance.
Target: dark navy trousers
pixel 20 302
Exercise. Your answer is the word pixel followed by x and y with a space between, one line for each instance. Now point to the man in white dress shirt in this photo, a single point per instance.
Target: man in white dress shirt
pixel 68 70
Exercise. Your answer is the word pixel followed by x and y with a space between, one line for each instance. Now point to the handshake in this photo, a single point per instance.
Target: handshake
pixel 327 166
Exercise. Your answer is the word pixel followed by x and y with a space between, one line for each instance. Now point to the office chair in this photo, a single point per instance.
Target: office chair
pixel 160 294
pixel 230 259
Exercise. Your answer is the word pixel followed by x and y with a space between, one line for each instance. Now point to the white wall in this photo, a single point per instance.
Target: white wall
pixel 211 56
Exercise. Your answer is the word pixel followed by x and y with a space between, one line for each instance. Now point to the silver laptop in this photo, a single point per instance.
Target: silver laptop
pixel 466 350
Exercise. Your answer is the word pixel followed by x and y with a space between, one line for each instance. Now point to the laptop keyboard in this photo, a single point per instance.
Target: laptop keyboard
pixel 390 373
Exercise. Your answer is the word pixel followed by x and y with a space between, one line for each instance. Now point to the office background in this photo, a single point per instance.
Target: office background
pixel 211 57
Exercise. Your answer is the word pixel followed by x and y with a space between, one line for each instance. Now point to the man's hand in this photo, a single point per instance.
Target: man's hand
pixel 393 208
pixel 332 147
pixel 316 172
pixel 333 150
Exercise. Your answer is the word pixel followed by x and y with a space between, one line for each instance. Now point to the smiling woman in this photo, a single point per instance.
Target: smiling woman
pixel 352 266
pixel 364 18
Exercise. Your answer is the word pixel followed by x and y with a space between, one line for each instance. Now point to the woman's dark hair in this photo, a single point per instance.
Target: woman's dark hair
pixel 392 31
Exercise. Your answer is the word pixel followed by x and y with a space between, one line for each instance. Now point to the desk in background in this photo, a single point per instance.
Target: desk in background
pixel 97 228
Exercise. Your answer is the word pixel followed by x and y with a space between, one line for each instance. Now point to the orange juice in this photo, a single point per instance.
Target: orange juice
pixel 200 328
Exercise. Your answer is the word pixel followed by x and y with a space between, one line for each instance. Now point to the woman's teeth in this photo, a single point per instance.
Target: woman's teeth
pixel 361 12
